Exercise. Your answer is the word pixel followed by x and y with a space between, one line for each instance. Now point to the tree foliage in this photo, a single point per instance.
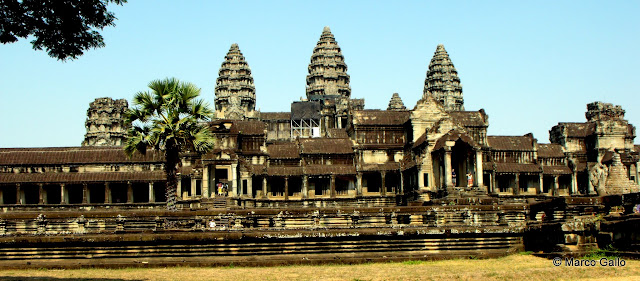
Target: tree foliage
pixel 171 119
pixel 64 28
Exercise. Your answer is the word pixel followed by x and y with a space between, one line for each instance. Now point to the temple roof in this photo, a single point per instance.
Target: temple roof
pixel 396 103
pixel 327 69
pixel 285 150
pixel 442 81
pixel 550 150
pixel 275 115
pixel 380 117
pixel 455 135
pixel 74 156
pixel 326 146
pixel 511 143
pixel 250 127
pixel 145 176
pixel 470 118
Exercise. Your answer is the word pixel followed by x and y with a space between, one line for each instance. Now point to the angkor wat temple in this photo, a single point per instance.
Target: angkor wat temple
pixel 328 151
pixel 329 147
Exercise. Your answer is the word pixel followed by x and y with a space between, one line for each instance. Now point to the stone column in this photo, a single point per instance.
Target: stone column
pixel 305 186
pixel 448 180
pixel 286 188
pixel 516 189
pixel 479 173
pixel 250 186
pixel 85 193
pixel 205 182
pixel 152 194
pixel 401 187
pixel 41 195
pixel 234 183
pixel 129 192
pixel 107 193
pixel 264 187
pixel 332 193
pixel 556 186
pixel 1 195
pixel 179 188
pixel 383 183
pixel 193 187
pixel 19 194
pixel 574 183
pixel 358 184
pixel 64 194
pixel 540 184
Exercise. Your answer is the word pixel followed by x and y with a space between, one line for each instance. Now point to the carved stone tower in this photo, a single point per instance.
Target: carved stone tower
pixel 396 103
pixel 106 123
pixel 328 76
pixel 442 81
pixel 235 92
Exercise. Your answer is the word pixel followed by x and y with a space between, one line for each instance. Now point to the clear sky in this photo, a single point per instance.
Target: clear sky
pixel 529 64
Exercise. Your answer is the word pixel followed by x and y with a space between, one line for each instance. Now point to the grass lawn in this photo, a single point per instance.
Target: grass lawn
pixel 514 267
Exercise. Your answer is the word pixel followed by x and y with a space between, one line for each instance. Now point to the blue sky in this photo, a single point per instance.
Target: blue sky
pixel 530 64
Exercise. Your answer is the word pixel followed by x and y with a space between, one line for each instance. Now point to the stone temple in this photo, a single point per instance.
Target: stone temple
pixel 327 149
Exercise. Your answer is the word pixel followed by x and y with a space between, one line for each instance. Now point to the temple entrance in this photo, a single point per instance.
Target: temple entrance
pixel 462 164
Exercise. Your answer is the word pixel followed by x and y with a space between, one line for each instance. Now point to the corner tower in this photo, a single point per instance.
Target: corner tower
pixel 396 103
pixel 442 81
pixel 106 125
pixel 235 92
pixel 328 76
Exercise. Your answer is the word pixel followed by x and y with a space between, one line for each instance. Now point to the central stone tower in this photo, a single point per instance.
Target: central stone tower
pixel 235 92
pixel 328 76
pixel 442 81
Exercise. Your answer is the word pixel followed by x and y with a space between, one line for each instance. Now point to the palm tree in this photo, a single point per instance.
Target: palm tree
pixel 170 119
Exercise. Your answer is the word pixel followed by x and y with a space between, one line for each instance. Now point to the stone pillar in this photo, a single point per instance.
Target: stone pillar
pixel 205 182
pixel 358 184
pixel 401 187
pixel 1 195
pixel 479 174
pixel 305 186
pixel 383 183
pixel 556 186
pixel 85 193
pixel 286 188
pixel 152 194
pixel 179 188
pixel 264 187
pixel 129 192
pixel 64 194
pixel 574 183
pixel 448 180
pixel 234 182
pixel 193 187
pixel 107 193
pixel 250 186
pixel 516 189
pixel 332 193
pixel 19 194
pixel 540 184
pixel 41 194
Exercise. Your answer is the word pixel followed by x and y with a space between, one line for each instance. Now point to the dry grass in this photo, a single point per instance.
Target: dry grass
pixel 515 267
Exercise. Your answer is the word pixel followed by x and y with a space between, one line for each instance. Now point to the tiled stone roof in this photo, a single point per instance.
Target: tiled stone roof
pixel 74 156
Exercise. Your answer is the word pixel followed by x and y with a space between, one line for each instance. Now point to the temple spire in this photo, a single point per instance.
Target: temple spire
pixel 235 92
pixel 328 76
pixel 442 81
pixel 396 103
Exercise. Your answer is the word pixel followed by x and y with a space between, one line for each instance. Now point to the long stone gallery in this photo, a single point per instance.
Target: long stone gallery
pixel 326 181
